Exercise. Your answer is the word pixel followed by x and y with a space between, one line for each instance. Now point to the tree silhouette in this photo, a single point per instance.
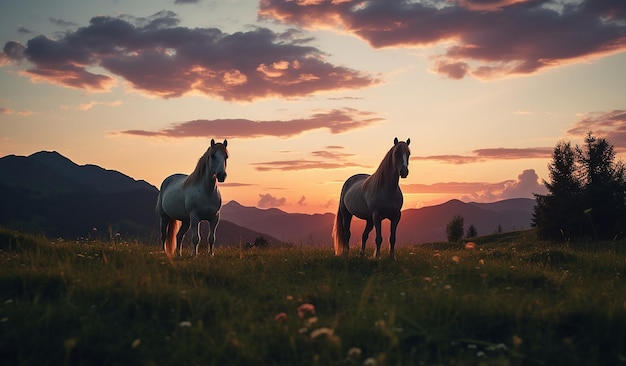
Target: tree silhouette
pixel 471 232
pixel 554 213
pixel 587 193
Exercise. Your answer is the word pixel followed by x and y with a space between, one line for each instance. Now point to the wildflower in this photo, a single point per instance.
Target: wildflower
pixel 288 297
pixel 355 352
pixel 281 317
pixel 310 321
pixel 322 331
pixel 428 279
pixel 447 287
pixel 481 262
pixel 306 309
pixel 455 259
pixel 371 361
pixel 470 245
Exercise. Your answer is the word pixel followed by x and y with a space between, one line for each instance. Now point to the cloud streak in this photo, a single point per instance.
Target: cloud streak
pixel 335 121
pixel 332 159
pixel 158 57
pixel 609 125
pixel 483 155
pixel 526 184
pixel 482 39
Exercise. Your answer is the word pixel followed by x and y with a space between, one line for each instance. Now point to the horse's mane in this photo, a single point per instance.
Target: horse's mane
pixel 384 171
pixel 201 166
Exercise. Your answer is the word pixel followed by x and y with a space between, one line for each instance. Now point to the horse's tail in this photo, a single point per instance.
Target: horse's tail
pixel 170 240
pixel 339 233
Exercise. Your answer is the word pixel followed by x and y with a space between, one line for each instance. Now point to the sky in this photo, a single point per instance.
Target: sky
pixel 310 92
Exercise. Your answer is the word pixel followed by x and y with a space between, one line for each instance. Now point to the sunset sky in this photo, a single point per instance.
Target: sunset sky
pixel 310 92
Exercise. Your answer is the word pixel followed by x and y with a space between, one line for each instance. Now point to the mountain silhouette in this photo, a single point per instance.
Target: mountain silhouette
pixel 427 224
pixel 48 193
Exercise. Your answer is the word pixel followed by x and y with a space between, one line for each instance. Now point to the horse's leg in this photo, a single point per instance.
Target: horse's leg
pixel 379 238
pixel 180 235
pixel 165 220
pixel 212 228
pixel 392 238
pixel 366 233
pixel 195 239
pixel 347 219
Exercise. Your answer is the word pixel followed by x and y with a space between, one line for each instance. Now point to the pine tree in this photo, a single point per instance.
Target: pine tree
pixel 471 232
pixel 604 194
pixel 558 214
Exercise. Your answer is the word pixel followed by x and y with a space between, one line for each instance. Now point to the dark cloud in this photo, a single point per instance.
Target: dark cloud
pixel 23 30
pixel 62 23
pixel 335 120
pixel 483 38
pixel 159 57
pixel 482 155
pixel 609 125
pixel 268 201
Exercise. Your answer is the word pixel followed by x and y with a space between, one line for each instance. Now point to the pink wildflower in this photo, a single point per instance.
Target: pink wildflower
pixel 281 317
pixel 306 309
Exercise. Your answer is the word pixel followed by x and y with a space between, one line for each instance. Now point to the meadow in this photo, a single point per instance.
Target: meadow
pixel 510 300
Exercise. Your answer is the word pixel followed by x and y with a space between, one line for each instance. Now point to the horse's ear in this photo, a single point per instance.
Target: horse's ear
pixel 408 141
pixel 212 142
pixel 395 141
pixel 225 143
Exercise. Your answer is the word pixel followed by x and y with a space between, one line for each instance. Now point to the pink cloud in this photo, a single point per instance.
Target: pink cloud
pixel 335 120
pixel 267 201
pixel 158 57
pixel 483 38
pixel 526 184
pixel 325 159
pixel 609 125
pixel 482 155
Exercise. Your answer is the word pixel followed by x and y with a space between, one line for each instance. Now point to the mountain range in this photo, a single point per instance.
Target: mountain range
pixel 48 193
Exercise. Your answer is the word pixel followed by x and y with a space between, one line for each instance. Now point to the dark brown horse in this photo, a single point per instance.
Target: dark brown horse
pixel 373 198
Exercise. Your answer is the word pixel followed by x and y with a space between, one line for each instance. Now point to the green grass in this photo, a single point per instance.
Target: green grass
pixel 513 300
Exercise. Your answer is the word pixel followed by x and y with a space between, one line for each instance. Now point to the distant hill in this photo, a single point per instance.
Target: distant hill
pixel 427 224
pixel 295 228
pixel 48 193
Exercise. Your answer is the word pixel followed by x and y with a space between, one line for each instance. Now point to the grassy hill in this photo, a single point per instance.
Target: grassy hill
pixel 512 300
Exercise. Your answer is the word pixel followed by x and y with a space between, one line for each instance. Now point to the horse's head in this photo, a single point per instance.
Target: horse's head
pixel 218 155
pixel 401 153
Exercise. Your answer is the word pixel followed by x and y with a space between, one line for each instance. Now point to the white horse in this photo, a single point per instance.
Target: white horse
pixel 189 199
pixel 373 198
